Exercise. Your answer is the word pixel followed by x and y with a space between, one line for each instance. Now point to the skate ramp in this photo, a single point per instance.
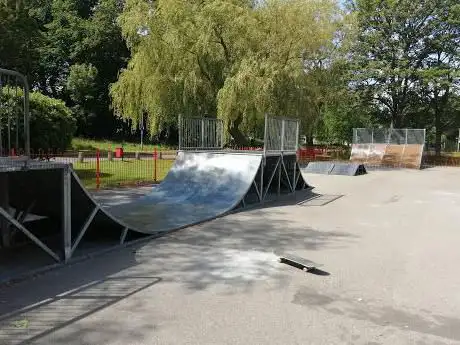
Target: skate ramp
pixel 334 168
pixel 393 155
pixel 412 156
pixel 200 186
pixel 371 154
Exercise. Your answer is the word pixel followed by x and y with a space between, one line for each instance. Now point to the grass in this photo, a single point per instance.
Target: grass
pixel 89 144
pixel 126 172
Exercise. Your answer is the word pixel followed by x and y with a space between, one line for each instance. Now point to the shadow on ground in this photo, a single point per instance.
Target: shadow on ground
pixel 233 251
pixel 420 322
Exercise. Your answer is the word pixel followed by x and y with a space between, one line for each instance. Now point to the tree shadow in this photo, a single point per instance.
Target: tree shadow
pixel 235 252
pixel 420 321
pixel 55 313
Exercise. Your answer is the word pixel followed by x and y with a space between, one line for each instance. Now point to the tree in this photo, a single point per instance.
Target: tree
pixel 50 41
pixel 232 59
pixel 395 52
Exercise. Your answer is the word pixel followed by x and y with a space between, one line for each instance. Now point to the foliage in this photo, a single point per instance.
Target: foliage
pixel 51 40
pixel 400 46
pixel 51 123
pixel 226 58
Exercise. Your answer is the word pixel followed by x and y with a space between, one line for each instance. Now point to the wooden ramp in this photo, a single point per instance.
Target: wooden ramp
pixel 412 156
pixel 393 155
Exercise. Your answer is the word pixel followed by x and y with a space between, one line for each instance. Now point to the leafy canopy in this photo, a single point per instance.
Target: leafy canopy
pixel 234 59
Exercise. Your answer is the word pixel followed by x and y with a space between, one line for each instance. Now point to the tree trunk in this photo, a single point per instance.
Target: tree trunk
pixel 238 137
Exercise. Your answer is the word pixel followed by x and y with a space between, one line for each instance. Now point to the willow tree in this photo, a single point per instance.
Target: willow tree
pixel 232 59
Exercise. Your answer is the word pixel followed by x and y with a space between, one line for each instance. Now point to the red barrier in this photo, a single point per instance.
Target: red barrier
pixel 155 154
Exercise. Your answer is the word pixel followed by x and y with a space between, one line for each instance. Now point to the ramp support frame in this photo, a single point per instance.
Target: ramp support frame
pixel 279 172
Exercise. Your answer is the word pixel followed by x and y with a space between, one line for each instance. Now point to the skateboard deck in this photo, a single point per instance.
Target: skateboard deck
pixel 305 264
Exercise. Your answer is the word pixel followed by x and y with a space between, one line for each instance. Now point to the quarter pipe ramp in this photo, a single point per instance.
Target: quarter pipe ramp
pixel 199 187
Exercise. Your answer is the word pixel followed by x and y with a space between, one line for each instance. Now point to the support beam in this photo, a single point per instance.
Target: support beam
pixel 257 190
pixel 271 178
pixel 26 232
pixel 123 235
pixel 5 231
pixel 262 167
pixel 287 176
pixel 67 213
pixel 85 227
pixel 279 173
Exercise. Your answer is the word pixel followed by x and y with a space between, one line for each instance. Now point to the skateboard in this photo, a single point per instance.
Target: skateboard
pixel 297 261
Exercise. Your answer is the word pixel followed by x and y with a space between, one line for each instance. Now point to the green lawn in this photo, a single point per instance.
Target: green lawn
pixel 126 172
pixel 88 144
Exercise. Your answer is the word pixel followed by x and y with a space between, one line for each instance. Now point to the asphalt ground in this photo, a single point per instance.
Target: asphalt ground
pixel 388 243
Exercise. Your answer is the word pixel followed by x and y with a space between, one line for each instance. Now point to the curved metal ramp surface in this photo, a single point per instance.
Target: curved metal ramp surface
pixel 200 186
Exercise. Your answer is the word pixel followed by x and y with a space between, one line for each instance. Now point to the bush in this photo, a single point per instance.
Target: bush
pixel 52 125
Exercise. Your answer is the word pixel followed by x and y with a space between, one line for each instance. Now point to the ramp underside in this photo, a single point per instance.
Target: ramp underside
pixel 199 186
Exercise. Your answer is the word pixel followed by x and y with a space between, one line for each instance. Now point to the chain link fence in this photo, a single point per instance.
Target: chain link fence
pixel 200 133
pixel 405 136
pixel 281 134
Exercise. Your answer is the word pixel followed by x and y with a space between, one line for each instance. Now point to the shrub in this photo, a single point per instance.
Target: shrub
pixel 52 125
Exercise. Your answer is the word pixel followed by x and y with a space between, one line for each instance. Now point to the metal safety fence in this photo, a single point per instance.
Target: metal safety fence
pixel 403 136
pixel 14 114
pixel 200 133
pixel 101 169
pixel 281 134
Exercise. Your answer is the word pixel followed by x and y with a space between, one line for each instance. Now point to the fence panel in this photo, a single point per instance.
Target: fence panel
pixel 281 134
pixel 200 133
pixel 395 136
pixel 14 114
pixel 416 136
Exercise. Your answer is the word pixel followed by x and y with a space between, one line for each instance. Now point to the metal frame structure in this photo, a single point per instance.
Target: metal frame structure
pixel 5 77
pixel 200 133
pixel 9 221
pixel 278 134
pixel 278 173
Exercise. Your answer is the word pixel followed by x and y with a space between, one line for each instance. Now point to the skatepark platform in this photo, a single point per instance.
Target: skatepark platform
pixel 45 203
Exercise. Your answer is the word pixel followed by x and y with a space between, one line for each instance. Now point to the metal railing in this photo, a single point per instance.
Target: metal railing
pixel 281 134
pixel 403 136
pixel 14 114
pixel 200 133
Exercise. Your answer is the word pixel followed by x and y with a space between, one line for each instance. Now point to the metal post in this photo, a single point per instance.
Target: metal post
pixel 265 134
pixel 262 167
pixel 26 118
pixel 458 140
pixel 4 203
pixel 202 133
pixel 67 212
pixel 296 149
pixel 142 131
pixel 179 127
pixel 282 134
pixel 406 135
pixel 372 136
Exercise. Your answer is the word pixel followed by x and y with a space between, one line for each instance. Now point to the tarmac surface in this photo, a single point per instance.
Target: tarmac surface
pixel 388 243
